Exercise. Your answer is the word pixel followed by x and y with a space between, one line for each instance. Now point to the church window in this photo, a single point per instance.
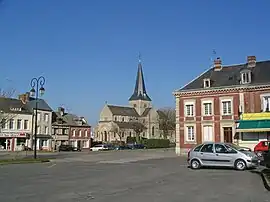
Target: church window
pixel 123 119
pixel 115 118
pixel 153 131
pixel 129 133
pixel 145 105
pixel 134 105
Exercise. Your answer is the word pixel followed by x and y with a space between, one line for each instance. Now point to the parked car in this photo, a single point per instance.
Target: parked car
pixel 239 148
pixel 261 147
pixel 136 146
pixel 68 148
pixel 99 147
pixel 122 147
pixel 221 155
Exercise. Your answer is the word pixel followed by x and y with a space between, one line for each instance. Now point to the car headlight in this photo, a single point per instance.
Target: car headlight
pixel 249 155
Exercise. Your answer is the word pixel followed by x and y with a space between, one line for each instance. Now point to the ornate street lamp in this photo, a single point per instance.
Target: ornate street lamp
pixel 36 91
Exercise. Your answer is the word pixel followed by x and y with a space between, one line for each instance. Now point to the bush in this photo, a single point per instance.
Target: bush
pixel 156 143
pixel 131 140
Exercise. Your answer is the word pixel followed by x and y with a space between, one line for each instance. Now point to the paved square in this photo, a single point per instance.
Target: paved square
pixel 158 180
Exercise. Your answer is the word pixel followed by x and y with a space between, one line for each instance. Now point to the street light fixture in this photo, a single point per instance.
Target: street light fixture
pixel 37 83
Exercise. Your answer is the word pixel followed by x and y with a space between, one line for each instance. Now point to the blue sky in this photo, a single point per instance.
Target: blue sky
pixel 88 49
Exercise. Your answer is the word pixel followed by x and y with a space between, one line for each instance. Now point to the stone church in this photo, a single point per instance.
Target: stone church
pixel 116 123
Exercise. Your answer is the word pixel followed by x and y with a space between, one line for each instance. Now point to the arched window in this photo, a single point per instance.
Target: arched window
pixel 153 131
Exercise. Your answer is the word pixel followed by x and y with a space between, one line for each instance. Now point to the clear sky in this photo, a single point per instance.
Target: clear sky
pixel 88 49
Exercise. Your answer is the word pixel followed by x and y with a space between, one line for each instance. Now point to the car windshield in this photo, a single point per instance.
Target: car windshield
pixel 234 146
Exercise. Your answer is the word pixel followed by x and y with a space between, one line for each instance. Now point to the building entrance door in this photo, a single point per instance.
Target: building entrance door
pixel 227 132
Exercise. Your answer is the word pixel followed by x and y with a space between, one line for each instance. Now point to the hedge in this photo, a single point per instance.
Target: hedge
pixel 156 143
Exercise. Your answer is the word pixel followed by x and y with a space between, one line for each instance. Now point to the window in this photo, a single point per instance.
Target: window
pixel 190 133
pixel 11 124
pixel 46 117
pixel 19 124
pixel 145 105
pixel 208 133
pixel 206 83
pixel 207 148
pixel 226 107
pixel 44 143
pixel 207 109
pixel 80 133
pixel 123 119
pixel 38 116
pixel 85 144
pixel 198 148
pixel 220 149
pixel 123 134
pixel 85 133
pixel 249 136
pixel 153 131
pixel 25 124
pixel 190 110
pixel 246 77
pixel 46 130
pixel 115 118
pixel 266 103
pixel 134 105
pixel 38 130
pixel 4 123
pixel 74 133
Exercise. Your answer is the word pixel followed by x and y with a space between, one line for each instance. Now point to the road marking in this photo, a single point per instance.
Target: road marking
pixel 52 165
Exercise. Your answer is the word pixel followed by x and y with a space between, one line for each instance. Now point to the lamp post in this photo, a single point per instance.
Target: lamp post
pixel 37 89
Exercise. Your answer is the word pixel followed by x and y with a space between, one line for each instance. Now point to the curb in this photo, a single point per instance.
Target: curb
pixel 265 178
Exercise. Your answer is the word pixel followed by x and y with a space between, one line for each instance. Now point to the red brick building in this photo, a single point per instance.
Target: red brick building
pixel 208 106
pixel 70 129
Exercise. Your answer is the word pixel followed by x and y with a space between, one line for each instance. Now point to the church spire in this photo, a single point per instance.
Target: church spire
pixel 140 89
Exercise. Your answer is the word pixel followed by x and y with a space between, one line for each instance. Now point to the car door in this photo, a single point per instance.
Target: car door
pixel 223 156
pixel 207 155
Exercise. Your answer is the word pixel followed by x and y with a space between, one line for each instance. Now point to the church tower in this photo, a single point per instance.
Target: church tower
pixel 139 99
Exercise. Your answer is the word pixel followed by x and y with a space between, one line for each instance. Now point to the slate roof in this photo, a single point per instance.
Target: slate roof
pixel 129 125
pixel 123 111
pixel 7 104
pixel 230 76
pixel 68 119
pixel 42 104
pixel 140 89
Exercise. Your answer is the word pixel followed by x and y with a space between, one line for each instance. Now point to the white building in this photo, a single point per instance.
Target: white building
pixel 16 122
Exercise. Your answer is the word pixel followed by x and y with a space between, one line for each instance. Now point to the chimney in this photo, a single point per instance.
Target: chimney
pixel 251 61
pixel 24 97
pixel 61 110
pixel 217 64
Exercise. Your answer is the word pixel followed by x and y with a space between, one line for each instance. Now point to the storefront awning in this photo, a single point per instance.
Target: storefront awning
pixel 253 126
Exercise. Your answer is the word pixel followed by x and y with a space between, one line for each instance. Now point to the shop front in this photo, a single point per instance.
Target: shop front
pixel 253 128
pixel 44 142
pixel 14 141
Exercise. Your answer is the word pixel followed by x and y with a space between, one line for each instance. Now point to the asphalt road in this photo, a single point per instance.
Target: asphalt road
pixel 114 180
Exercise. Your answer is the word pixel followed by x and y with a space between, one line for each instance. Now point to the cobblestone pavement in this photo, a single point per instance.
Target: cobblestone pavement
pixel 117 179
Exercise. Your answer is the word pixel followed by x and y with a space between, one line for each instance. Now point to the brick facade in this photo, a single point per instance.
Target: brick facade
pixel 80 136
pixel 251 103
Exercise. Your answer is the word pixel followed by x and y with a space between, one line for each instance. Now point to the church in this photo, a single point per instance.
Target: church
pixel 116 123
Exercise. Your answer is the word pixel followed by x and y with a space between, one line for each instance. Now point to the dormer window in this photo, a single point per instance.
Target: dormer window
pixel 206 83
pixel 245 77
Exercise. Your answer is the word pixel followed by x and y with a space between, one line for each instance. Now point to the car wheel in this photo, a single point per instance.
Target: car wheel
pixel 195 164
pixel 240 165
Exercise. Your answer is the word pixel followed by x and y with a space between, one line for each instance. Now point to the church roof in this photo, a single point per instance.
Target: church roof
pixel 129 125
pixel 140 89
pixel 123 111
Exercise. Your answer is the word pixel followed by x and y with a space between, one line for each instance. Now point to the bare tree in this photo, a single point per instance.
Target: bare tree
pixel 138 129
pixel 166 120
pixel 5 117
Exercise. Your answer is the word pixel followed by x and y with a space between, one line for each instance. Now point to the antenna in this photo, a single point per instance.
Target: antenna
pixel 67 109
pixel 214 53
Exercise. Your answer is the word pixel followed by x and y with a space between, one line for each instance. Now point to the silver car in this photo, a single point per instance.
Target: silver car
pixel 221 155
